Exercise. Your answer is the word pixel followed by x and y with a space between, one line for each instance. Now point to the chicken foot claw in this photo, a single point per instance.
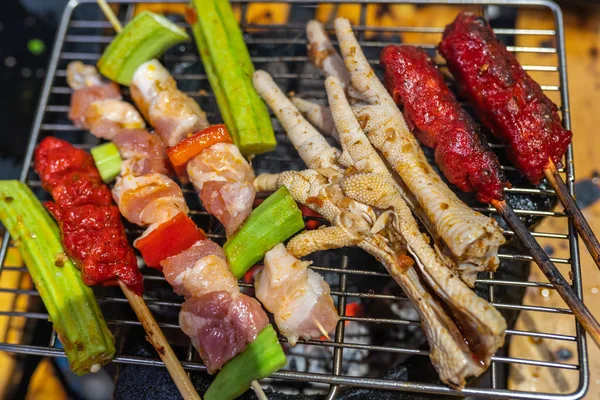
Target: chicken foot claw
pixel 266 182
pixel 311 145
pixel 324 238
pixel 471 310
pixel 318 115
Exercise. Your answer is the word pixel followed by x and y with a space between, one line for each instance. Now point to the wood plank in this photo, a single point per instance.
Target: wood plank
pixel 582 30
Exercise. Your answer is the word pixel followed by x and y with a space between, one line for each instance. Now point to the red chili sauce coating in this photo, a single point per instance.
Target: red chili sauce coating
pixel 504 97
pixel 438 121
pixel 91 228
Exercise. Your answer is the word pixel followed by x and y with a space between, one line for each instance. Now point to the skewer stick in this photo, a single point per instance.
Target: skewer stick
pixel 159 342
pixel 320 327
pixel 583 315
pixel 258 391
pixel 110 15
pixel 572 209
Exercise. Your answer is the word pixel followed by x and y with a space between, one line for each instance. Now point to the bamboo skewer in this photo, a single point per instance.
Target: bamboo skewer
pixel 110 15
pixel 321 329
pixel 258 391
pixel 159 342
pixel 573 211
pixel 564 289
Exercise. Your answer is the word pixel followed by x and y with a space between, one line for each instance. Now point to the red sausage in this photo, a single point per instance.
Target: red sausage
pixel 439 122
pixel 505 98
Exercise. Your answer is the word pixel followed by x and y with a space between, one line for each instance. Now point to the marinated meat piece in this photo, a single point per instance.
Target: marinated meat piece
pixel 221 324
pixel 82 98
pixel 220 162
pixel 174 266
pixel 195 270
pixel 134 194
pixel 439 122
pixel 173 114
pixel 98 106
pixel 106 118
pixel 230 202
pixel 224 178
pixel 504 97
pixel 149 80
pixel 297 296
pixel 209 274
pixel 142 151
pixel 80 76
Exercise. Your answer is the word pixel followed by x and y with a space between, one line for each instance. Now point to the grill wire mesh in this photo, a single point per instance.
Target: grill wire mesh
pixel 317 366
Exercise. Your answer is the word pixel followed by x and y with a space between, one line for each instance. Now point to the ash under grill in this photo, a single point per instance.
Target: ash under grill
pixel 379 343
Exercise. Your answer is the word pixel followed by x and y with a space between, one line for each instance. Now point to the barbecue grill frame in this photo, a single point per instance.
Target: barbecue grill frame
pixel 335 380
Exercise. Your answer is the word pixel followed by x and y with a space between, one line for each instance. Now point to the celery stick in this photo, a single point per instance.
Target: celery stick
pixel 236 40
pixel 107 160
pixel 213 78
pixel 145 37
pixel 272 222
pixel 229 81
pixel 260 359
pixel 227 69
pixel 71 304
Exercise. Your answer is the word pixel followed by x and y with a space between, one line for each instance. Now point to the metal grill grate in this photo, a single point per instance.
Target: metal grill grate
pixel 82 35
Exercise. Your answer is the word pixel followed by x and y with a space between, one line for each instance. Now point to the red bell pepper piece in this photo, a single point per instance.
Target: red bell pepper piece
pixel 170 238
pixel 190 147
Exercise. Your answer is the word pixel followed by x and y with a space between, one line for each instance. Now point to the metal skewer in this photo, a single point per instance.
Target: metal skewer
pixel 564 289
pixel 572 209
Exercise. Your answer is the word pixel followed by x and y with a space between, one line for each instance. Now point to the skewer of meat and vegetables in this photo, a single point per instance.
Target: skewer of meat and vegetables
pixel 377 191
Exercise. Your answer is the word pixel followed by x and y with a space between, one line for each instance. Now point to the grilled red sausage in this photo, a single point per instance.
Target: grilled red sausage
pixel 505 98
pixel 91 227
pixel 439 122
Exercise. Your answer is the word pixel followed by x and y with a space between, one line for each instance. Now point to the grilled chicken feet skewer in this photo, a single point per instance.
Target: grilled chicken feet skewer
pixel 379 221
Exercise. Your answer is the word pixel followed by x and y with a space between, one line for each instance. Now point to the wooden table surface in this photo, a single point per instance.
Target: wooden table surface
pixel 582 30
